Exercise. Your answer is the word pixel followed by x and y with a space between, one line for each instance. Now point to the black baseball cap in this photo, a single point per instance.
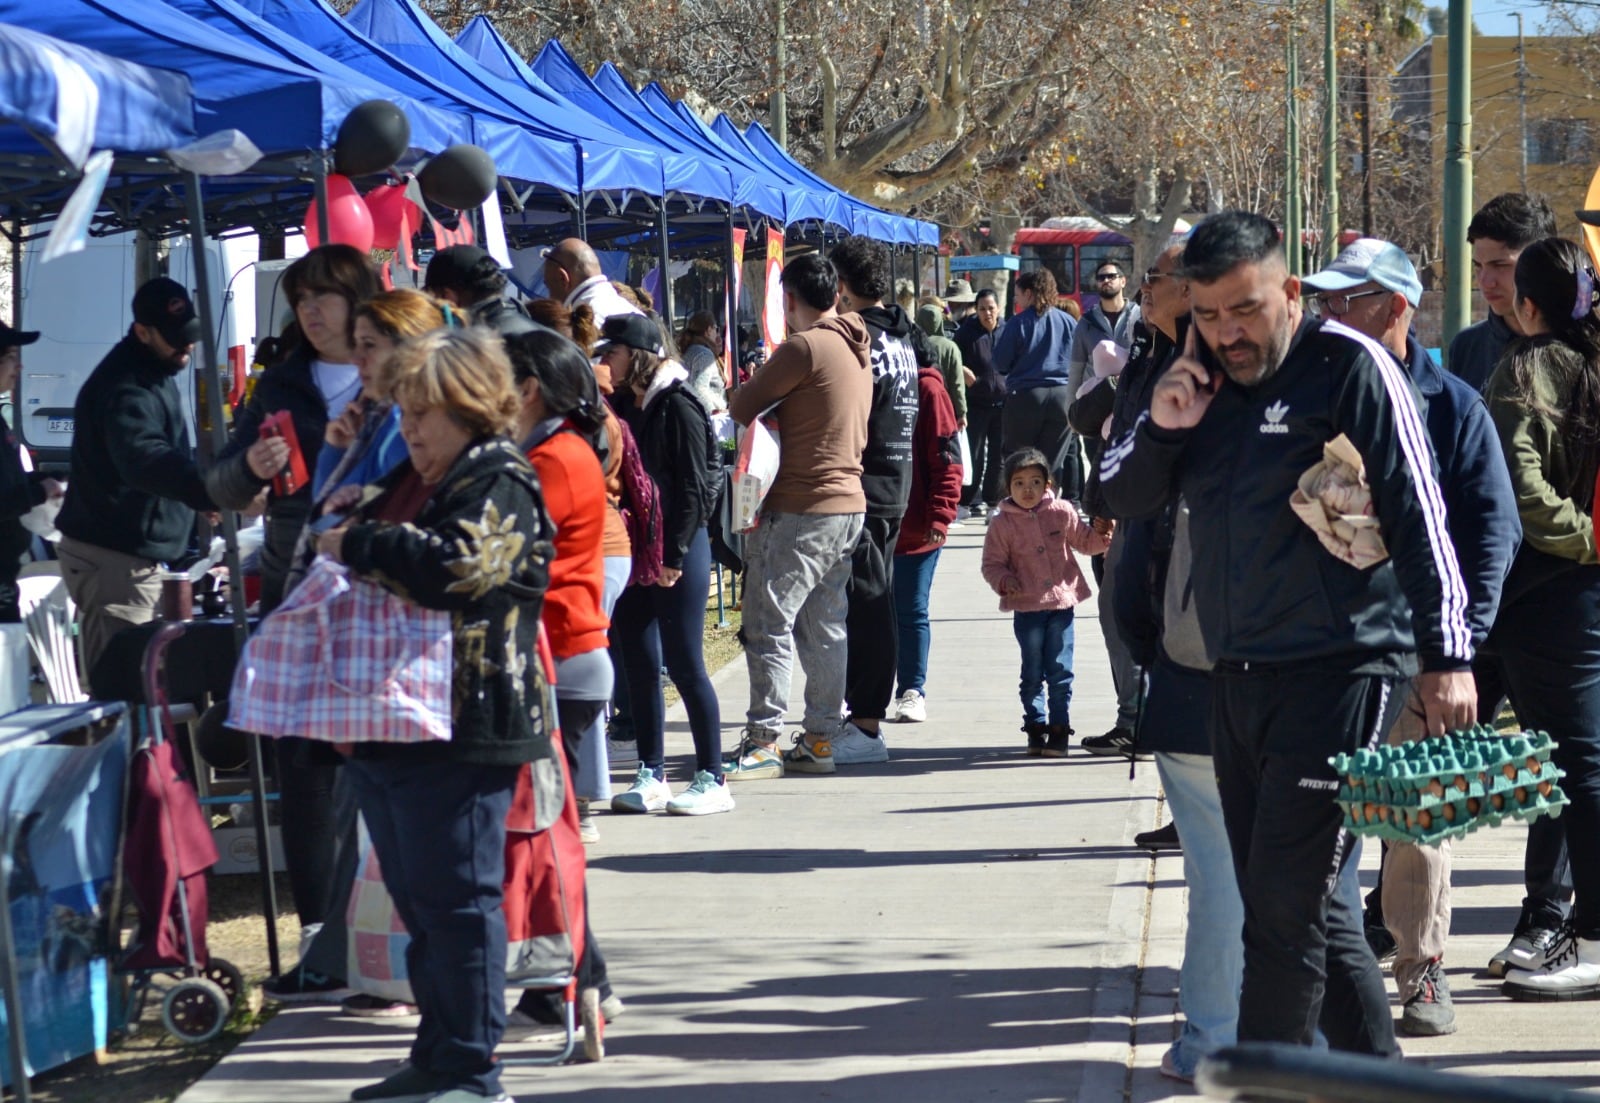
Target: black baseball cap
pixel 12 338
pixel 164 306
pixel 453 267
pixel 635 331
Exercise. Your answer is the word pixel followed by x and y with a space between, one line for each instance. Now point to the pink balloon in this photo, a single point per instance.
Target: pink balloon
pixel 388 205
pixel 349 221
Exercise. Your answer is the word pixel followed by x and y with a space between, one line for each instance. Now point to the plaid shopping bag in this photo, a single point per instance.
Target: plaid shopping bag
pixel 376 956
pixel 345 661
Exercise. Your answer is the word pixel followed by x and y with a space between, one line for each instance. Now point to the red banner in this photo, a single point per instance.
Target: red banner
pixel 774 328
pixel 728 334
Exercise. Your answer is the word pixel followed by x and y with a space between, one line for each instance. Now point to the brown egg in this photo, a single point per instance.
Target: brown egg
pixel 1461 782
pixel 1436 787
pixel 1510 770
pixel 1473 804
pixel 1499 801
pixel 1544 788
pixel 1425 819
pixel 1449 811
pixel 1521 794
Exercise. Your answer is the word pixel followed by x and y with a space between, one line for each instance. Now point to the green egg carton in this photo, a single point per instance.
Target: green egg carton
pixel 1539 805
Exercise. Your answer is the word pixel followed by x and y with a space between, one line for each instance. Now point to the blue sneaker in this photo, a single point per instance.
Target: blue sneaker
pixel 705 796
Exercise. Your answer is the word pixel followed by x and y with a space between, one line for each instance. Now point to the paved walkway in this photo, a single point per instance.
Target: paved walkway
pixel 962 923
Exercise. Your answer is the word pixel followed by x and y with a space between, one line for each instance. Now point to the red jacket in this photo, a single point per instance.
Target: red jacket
pixel 935 467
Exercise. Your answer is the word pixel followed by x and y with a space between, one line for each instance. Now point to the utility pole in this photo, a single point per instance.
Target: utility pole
pixel 1330 133
pixel 1293 211
pixel 1366 134
pixel 1458 172
pixel 780 68
pixel 1522 106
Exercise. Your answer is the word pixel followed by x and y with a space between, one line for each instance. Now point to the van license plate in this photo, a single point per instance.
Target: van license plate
pixel 59 425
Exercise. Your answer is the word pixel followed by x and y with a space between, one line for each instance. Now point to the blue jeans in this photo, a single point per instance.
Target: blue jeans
pixel 1046 641
pixel 1213 944
pixel 656 622
pixel 913 580
pixel 439 831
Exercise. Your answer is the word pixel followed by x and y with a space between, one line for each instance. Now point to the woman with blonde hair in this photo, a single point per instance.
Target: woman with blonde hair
pixel 459 526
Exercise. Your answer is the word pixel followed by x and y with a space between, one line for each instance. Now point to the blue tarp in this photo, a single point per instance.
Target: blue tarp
pixel 432 128
pixel 690 175
pixel 610 161
pixel 138 109
pixel 282 107
pixel 519 150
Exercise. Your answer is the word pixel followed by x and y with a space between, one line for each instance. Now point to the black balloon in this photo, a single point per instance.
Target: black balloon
pixel 460 178
pixel 371 139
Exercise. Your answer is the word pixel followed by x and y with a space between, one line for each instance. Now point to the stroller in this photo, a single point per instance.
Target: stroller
pixel 166 849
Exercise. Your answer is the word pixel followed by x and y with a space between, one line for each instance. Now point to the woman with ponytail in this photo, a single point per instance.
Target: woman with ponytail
pixel 1545 401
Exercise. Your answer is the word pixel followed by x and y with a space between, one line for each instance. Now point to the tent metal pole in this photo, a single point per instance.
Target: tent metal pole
pixel 666 264
pixel 14 233
pixel 730 302
pixel 321 182
pixel 230 533
pixel 583 215
pixel 916 272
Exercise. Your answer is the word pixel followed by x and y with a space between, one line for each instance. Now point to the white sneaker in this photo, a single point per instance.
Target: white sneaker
pixel 705 796
pixel 1571 973
pixel 912 708
pixel 648 793
pixel 854 747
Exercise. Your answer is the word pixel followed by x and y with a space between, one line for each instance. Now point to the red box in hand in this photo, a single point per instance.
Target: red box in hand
pixel 293 476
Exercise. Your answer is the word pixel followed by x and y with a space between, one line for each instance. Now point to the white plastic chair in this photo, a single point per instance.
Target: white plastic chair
pixel 48 612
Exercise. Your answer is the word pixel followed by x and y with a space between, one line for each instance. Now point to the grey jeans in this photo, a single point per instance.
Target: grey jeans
pixel 796 569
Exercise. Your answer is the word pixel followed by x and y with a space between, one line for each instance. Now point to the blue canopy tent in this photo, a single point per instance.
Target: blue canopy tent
pixel 136 109
pixel 522 150
pixel 611 161
pixel 689 174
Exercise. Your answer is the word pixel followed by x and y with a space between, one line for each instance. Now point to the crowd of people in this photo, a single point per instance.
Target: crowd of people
pixel 556 468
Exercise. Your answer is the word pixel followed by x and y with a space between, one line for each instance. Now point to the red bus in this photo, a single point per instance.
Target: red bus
pixel 1073 248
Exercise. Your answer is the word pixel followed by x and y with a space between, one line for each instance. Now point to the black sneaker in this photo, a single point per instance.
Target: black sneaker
pixel 1057 741
pixel 1379 939
pixel 1036 738
pixel 301 985
pixel 1116 743
pixel 1429 1013
pixel 1162 838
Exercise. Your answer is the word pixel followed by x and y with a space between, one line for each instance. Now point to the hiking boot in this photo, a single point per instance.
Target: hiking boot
pixel 1162 838
pixel 1429 1012
pixel 855 746
pixel 1529 949
pixel 752 760
pixel 1036 737
pixel 1379 939
pixel 706 796
pixel 302 985
pixel 811 754
pixel 648 793
pixel 1116 743
pixel 408 1085
pixel 1571 971
pixel 1058 738
pixel 912 708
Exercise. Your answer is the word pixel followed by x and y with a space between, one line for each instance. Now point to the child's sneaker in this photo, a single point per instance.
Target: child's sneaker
pixel 705 796
pixel 648 793
pixel 1036 737
pixel 752 761
pixel 811 754
pixel 1057 741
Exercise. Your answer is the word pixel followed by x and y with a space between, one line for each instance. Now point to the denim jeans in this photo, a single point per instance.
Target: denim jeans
pixel 913 581
pixel 1046 641
pixel 797 566
pixel 1213 944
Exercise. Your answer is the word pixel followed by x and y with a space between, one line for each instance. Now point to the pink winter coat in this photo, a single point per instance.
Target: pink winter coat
pixel 1035 547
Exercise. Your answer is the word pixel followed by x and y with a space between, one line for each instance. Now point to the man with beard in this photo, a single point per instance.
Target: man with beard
pixel 134 488
pixel 1312 655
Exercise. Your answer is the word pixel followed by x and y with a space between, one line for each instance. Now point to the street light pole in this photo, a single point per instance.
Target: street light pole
pixel 1458 172
pixel 1293 209
pixel 1330 135
pixel 780 66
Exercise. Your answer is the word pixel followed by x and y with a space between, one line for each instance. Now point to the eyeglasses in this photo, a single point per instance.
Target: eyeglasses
pixel 1102 277
pixel 1339 305
pixel 1151 275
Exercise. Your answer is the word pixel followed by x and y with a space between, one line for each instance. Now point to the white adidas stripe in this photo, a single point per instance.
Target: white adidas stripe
pixel 1414 444
pixel 1118 450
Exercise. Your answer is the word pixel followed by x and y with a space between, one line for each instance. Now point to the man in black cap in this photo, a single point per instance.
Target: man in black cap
pixel 20 490
pixel 134 488
pixel 467 277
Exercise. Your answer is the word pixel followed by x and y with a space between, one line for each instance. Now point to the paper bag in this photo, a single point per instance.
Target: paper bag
pixel 1333 498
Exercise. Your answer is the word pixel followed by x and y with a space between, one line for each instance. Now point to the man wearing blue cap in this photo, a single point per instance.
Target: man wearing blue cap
pixel 1373 289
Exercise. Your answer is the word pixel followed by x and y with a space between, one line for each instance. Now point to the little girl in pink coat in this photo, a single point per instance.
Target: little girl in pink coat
pixel 1028 561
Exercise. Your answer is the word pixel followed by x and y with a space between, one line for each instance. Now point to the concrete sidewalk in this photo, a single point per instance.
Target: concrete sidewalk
pixel 962 923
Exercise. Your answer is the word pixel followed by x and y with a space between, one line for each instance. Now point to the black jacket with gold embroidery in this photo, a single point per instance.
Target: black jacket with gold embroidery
pixel 479 548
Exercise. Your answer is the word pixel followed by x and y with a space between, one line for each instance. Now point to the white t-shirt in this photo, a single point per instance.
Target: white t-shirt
pixel 339 384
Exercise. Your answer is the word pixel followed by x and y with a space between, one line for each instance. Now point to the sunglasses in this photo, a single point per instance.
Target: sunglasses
pixel 1339 305
pixel 1102 277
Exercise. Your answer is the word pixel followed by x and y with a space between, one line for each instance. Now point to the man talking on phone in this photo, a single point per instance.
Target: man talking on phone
pixel 1312 655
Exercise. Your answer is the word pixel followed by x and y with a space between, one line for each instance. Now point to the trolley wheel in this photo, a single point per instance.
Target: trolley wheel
pixel 226 976
pixel 195 1010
